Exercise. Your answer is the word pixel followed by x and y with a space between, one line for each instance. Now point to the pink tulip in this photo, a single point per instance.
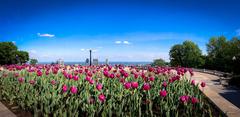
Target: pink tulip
pixel 73 89
pixel 32 82
pixel 88 78
pixel 101 97
pixel 53 82
pixel 21 80
pixel 91 81
pixel 127 85
pixel 163 93
pixel 99 87
pixel 134 85
pixel 75 78
pixel 146 86
pixel 184 98
pixel 164 84
pixel 64 88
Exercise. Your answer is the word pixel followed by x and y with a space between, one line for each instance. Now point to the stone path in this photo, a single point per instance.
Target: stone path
pixel 226 98
pixel 4 112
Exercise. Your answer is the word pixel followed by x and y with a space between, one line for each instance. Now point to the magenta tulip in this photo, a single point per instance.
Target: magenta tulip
pixel 146 86
pixel 75 78
pixel 64 88
pixel 164 84
pixel 184 98
pixel 127 85
pixel 163 93
pixel 73 89
pixel 134 85
pixel 99 87
pixel 21 80
pixel 102 97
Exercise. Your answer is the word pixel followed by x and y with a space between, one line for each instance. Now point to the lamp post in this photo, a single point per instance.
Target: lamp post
pixel 90 57
pixel 17 59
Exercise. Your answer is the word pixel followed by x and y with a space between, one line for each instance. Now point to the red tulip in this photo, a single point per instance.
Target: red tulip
pixel 163 93
pixel 39 73
pixel 194 100
pixel 193 82
pixel 146 86
pixel 151 78
pixel 112 76
pixel 203 84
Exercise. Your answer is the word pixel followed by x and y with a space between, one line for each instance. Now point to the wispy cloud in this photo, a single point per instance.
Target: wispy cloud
pixel 45 35
pixel 118 42
pixel 122 42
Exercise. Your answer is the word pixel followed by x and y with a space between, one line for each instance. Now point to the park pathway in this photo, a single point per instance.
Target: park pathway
pixel 4 112
pixel 226 98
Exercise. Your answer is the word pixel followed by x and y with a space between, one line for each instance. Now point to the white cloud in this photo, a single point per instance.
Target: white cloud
pixel 45 35
pixel 126 42
pixel 118 42
pixel 82 49
pixel 238 32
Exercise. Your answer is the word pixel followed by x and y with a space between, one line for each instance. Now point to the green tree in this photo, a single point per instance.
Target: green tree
pixel 9 54
pixel 221 53
pixel 33 61
pixel 159 62
pixel 22 56
pixel 187 54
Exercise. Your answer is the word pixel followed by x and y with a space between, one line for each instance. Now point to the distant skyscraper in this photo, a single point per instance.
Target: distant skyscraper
pixel 95 61
pixel 60 62
pixel 107 61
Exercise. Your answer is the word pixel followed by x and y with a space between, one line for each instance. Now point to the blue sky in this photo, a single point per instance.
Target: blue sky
pixel 131 30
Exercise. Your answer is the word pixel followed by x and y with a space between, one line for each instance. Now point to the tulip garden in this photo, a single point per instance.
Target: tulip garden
pixel 104 90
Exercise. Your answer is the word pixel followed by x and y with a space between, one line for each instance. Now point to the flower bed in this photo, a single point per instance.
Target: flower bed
pixel 52 90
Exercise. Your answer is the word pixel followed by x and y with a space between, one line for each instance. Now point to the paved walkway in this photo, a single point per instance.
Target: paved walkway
pixel 4 112
pixel 226 98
